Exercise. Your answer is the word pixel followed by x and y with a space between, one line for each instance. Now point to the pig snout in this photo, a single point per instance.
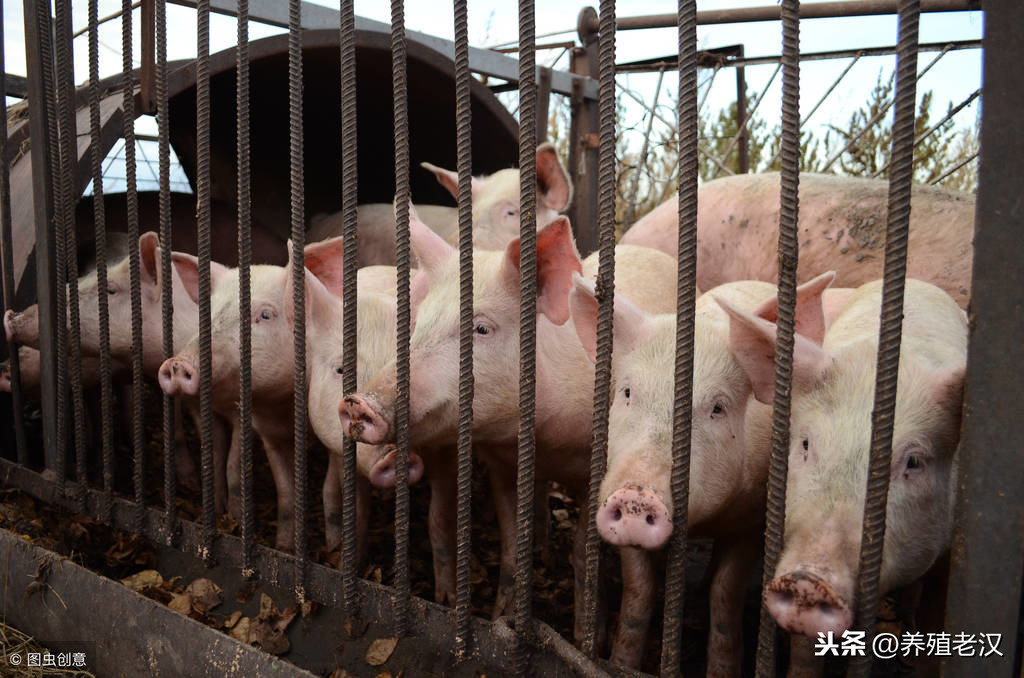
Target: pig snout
pixel 178 375
pixel 362 420
pixel 384 472
pixel 20 327
pixel 634 516
pixel 803 602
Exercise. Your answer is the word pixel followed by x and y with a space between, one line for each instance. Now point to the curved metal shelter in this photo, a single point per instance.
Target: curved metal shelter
pixel 432 136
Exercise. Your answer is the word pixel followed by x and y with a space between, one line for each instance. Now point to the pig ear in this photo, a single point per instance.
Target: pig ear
pixel 949 386
pixel 630 324
pixel 449 179
pixel 557 260
pixel 149 258
pixel 318 301
pixel 809 319
pixel 552 179
pixel 431 249
pixel 324 260
pixel 752 343
pixel 187 267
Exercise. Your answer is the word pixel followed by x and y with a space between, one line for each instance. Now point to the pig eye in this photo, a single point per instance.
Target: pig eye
pixel 111 290
pixel 482 330
pixel 806 445
pixel 265 313
pixel 914 461
pixel 717 411
pixel 339 369
pixel 626 392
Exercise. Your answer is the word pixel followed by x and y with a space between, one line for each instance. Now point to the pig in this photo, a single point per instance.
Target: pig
pixel 23 327
pixel 376 319
pixel 272 362
pixel 565 376
pixel 729 452
pixel 813 586
pixel 841 225
pixel 495 210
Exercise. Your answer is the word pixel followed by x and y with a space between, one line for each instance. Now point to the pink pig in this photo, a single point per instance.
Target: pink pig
pixel 729 453
pixel 833 394
pixel 565 376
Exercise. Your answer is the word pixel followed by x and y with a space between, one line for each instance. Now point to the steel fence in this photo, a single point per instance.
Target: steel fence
pixel 989 503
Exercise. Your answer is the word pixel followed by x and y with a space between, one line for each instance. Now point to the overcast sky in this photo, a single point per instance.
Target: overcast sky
pixel 953 79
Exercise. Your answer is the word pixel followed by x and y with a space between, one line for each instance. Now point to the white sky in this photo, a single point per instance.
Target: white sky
pixel 955 77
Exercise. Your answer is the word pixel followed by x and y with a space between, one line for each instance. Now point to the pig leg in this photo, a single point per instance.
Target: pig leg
pixel 332 495
pixel 184 464
pixel 637 602
pixel 233 468
pixel 281 457
pixel 222 439
pixel 442 523
pixel 802 662
pixel 332 501
pixel 503 491
pixel 734 558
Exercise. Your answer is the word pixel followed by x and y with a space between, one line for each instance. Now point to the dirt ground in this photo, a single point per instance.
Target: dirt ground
pixel 120 556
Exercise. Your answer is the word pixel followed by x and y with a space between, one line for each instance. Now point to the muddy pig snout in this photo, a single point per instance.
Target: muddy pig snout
pixel 634 516
pixel 384 472
pixel 803 602
pixel 178 376
pixel 361 420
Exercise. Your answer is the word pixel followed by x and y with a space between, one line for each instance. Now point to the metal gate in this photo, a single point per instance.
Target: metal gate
pixel 988 548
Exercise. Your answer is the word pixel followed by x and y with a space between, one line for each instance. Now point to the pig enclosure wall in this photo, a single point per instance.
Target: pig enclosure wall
pixel 991 487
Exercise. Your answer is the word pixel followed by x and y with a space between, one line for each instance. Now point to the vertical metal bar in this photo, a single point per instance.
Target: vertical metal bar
pixel 68 151
pixel 166 300
pixel 988 529
pixel 100 228
pixel 789 207
pixel 641 164
pixel 350 234
pixel 6 249
pixel 244 288
pixel 203 237
pixel 132 201
pixel 523 590
pixel 606 295
pixel 744 121
pixel 583 139
pixel 49 262
pixel 147 70
pixel 402 197
pixel 743 136
pixel 298 282
pixel 882 414
pixel 464 151
pixel 543 99
pixel 686 280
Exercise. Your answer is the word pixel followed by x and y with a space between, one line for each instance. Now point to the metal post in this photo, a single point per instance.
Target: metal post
pixel 742 150
pixel 37 57
pixel 148 68
pixel 583 138
pixel 543 99
pixel 988 530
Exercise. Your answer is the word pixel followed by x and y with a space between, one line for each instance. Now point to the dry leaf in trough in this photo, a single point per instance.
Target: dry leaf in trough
pixel 380 650
pixel 383 674
pixel 205 594
pixel 181 603
pixel 267 608
pixel 230 622
pixel 268 638
pixel 240 630
pixel 143 580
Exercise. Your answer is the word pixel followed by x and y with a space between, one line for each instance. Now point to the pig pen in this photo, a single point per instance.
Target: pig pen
pixel 128 516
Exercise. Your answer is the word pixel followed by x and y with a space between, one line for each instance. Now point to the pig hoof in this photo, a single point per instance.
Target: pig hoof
pixel 804 603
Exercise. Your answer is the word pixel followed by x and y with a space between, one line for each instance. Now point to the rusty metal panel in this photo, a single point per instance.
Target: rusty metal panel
pixel 988 536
